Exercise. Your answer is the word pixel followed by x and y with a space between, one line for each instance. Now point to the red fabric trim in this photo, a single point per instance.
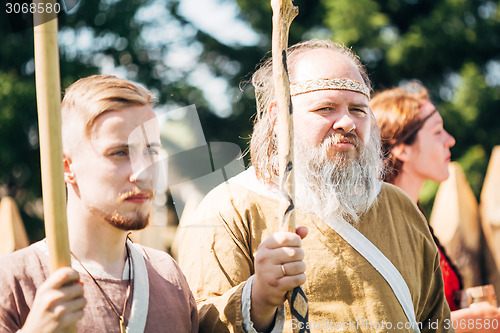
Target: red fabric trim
pixel 451 282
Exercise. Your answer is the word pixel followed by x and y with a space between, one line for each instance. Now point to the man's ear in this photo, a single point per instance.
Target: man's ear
pixel 69 174
pixel 401 152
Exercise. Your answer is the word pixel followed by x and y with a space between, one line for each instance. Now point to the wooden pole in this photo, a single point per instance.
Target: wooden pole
pixel 48 96
pixel 48 93
pixel 283 14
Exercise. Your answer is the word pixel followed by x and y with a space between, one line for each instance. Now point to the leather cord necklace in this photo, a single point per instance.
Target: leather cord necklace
pixel 123 327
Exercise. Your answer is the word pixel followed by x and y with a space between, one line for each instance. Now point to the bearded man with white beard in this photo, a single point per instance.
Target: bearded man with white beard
pixel 370 261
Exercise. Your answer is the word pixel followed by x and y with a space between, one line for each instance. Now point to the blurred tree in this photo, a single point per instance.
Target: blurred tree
pixel 451 46
pixel 19 155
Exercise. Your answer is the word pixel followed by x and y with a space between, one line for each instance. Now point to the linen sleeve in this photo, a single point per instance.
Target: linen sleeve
pixel 215 256
pixel 435 314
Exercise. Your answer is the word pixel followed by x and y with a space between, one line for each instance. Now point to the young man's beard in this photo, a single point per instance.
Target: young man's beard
pixel 136 220
pixel 338 184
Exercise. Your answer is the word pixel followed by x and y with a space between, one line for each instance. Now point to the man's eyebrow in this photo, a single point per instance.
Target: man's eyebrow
pixel 360 105
pixel 134 144
pixel 328 102
pixel 119 145
pixel 324 102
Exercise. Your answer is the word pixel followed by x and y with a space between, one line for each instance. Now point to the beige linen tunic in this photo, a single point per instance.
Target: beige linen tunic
pixel 171 304
pixel 346 294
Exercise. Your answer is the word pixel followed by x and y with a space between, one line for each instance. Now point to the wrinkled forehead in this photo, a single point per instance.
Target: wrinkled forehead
pixel 325 69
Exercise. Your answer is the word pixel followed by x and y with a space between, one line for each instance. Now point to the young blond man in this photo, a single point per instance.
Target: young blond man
pixel 110 142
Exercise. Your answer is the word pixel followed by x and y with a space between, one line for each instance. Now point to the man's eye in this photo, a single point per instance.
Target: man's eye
pixel 153 151
pixel 358 112
pixel 120 153
pixel 324 110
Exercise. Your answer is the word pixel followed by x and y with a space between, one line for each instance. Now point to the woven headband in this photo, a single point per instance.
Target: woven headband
pixel 328 84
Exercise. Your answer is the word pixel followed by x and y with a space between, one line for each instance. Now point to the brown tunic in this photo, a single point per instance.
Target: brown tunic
pixel 171 305
pixel 346 294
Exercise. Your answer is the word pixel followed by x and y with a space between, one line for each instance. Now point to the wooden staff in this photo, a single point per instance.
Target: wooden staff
pixel 283 14
pixel 48 94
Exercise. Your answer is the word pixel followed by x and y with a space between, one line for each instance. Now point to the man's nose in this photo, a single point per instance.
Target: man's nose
pixel 144 171
pixel 344 123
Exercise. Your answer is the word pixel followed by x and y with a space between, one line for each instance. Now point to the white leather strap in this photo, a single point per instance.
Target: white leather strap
pixel 140 300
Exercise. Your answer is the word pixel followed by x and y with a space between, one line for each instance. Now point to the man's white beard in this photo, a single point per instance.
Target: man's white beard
pixel 337 185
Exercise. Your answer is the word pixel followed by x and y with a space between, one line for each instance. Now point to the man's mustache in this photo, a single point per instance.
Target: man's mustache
pixel 135 192
pixel 337 138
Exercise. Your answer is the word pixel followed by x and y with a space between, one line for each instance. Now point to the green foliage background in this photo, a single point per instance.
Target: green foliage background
pixel 452 46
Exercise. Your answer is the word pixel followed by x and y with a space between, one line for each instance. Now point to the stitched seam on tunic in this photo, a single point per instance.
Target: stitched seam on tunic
pixel 235 239
pixel 221 267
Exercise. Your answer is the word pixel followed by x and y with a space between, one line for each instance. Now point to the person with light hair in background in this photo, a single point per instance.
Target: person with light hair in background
pixel 110 143
pixel 417 148
pixel 359 253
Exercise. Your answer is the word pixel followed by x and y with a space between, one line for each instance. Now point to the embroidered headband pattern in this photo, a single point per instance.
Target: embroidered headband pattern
pixel 328 84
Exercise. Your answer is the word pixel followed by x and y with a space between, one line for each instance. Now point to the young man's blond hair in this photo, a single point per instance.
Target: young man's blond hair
pixel 90 97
